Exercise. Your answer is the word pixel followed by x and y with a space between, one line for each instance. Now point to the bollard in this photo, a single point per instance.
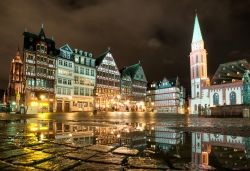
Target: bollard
pixel 246 113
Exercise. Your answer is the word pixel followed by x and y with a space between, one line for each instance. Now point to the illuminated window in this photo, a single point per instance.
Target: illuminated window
pixel 59 90
pixel 81 70
pixel 76 90
pixel 87 71
pixel 59 80
pixel 92 72
pixel 81 91
pixel 76 69
pixel 197 71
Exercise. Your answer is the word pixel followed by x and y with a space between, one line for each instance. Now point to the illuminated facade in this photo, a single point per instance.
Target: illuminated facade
pixel 107 91
pixel 166 96
pixel 218 145
pixel 64 80
pixel 39 54
pixel 84 81
pixel 163 138
pixel 16 87
pixel 226 85
pixel 133 86
pixel 198 68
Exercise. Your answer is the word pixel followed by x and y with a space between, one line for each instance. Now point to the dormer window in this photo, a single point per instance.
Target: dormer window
pixel 41 48
pixel 76 59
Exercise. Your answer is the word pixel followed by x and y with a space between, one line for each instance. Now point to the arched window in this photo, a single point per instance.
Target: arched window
pixel 216 99
pixel 197 59
pixel 197 71
pixel 232 98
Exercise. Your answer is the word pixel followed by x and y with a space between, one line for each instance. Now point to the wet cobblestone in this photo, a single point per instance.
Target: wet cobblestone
pixel 13 153
pixel 101 148
pixel 30 159
pixel 146 163
pixel 81 154
pixel 126 151
pixel 85 166
pixel 58 163
pixel 108 158
pixel 22 149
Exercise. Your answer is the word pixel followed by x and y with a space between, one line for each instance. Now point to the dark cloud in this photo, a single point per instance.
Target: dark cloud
pixel 77 4
pixel 158 33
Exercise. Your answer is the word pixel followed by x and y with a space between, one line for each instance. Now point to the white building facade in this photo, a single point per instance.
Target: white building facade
pixel 226 85
pixel 166 97
pixel 64 80
pixel 84 81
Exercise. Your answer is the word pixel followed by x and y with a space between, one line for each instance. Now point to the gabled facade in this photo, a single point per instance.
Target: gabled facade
pixel 139 81
pixel 166 96
pixel 126 86
pixel 84 81
pixel 39 55
pixel 134 85
pixel 64 79
pixel 107 82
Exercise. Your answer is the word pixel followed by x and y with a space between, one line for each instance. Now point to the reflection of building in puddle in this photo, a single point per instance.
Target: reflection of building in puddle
pixel 89 133
pixel 220 151
pixel 163 138
pixel 63 131
pixel 133 139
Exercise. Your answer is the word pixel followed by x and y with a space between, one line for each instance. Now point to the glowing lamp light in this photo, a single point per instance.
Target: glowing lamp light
pixel 41 136
pixel 33 103
pixel 13 103
pixel 43 104
pixel 33 129
pixel 44 128
pixel 42 97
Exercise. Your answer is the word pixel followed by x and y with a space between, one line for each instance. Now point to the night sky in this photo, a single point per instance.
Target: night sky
pixel 156 32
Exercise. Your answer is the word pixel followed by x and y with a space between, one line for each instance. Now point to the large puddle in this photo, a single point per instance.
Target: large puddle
pixel 124 142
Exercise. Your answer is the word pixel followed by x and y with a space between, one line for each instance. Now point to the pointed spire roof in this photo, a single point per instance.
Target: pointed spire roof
pixel 197 31
pixel 41 33
pixel 17 58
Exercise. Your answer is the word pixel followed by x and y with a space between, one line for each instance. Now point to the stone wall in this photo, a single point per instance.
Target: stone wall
pixel 228 111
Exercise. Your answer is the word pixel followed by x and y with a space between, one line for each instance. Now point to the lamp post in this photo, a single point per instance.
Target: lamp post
pixel 118 106
pixel 119 139
pixel 42 97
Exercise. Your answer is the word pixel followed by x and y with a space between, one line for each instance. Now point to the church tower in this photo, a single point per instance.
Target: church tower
pixel 16 81
pixel 198 62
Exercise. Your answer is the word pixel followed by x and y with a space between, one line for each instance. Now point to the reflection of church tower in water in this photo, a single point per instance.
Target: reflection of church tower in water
pixel 16 82
pixel 198 67
pixel 200 150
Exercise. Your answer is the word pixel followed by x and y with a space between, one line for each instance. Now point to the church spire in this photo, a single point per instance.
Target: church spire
pixel 41 33
pixel 197 31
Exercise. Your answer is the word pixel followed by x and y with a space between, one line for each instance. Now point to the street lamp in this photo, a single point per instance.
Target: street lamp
pixel 117 105
pixel 42 97
pixel 119 139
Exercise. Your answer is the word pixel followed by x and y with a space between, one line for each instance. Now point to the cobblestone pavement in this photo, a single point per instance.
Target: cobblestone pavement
pixel 42 143
pixel 53 156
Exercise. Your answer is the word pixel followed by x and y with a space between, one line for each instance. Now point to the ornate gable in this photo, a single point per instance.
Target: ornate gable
pixel 66 48
pixel 140 75
pixel 66 51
